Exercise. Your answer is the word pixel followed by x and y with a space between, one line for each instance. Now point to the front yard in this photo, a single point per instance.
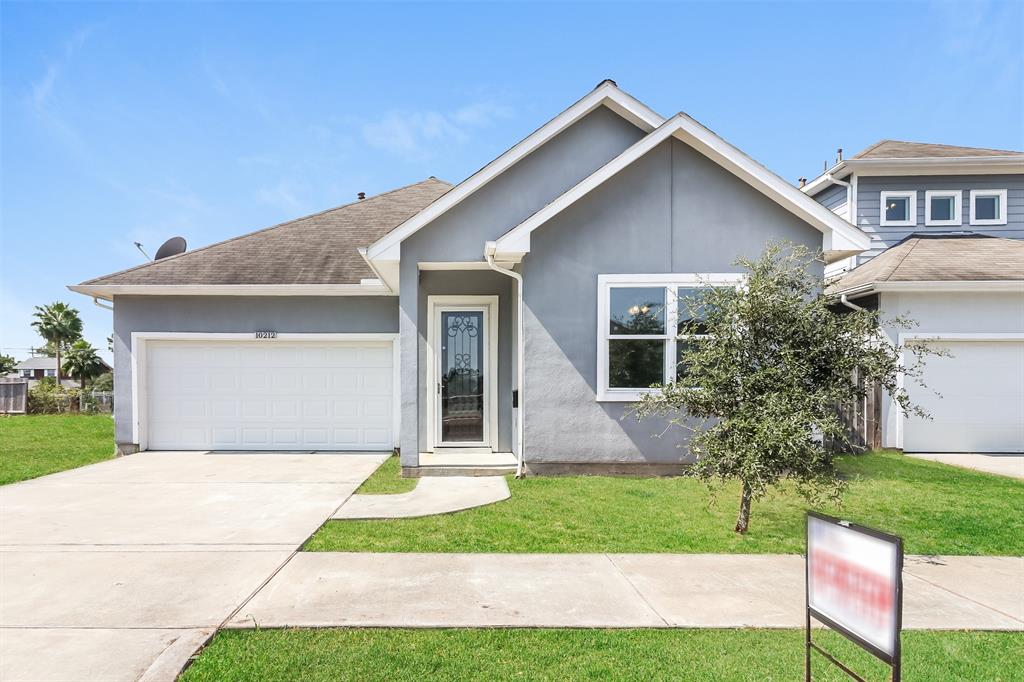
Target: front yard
pixel 36 445
pixel 448 654
pixel 937 509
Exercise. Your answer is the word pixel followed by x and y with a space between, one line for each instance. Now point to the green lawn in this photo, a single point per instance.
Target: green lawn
pixel 387 480
pixel 35 445
pixel 937 509
pixel 761 655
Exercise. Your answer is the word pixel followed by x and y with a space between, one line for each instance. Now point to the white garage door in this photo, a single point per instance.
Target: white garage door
pixel 981 408
pixel 269 395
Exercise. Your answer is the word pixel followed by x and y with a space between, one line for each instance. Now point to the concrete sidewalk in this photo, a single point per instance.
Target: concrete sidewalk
pixel 318 589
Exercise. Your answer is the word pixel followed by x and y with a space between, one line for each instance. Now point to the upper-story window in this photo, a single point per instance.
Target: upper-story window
pixel 988 207
pixel 899 208
pixel 644 324
pixel 942 207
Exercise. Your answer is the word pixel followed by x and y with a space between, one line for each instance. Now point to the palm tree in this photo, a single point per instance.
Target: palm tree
pixel 60 325
pixel 82 362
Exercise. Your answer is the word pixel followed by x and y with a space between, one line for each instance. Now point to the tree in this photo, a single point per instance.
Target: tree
pixel 82 362
pixel 59 325
pixel 759 393
pixel 7 364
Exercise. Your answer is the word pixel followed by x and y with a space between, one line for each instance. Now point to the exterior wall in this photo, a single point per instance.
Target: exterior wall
pixel 869 201
pixel 941 313
pixel 832 198
pixel 459 235
pixel 295 314
pixel 673 211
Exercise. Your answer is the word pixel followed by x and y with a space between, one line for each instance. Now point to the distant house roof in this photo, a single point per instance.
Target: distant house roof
pixel 898 149
pixel 43 362
pixel 320 249
pixel 940 258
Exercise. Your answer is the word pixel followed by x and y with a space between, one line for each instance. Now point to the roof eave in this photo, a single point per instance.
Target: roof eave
pixel 109 291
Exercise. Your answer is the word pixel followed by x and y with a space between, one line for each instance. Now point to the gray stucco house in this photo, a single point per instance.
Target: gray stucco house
pixel 511 318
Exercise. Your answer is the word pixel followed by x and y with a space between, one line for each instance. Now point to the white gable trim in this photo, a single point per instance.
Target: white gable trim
pixel 839 235
pixel 606 94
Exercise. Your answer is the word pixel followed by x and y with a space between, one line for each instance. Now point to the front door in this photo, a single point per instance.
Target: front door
pixel 462 381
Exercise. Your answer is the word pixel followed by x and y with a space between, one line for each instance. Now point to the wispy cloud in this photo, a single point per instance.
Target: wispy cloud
pixel 984 34
pixel 418 134
pixel 284 195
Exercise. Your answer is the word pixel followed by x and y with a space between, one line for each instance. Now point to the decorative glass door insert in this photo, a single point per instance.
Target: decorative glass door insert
pixel 462 376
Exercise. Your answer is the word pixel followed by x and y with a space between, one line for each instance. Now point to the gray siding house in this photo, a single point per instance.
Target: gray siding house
pixel 509 320
pixel 947 251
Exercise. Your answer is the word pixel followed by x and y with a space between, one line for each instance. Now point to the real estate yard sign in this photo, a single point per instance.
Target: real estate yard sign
pixel 854 586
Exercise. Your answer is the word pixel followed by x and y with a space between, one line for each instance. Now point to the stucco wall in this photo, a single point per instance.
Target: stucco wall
pixel 673 211
pixel 298 314
pixel 460 234
pixel 942 313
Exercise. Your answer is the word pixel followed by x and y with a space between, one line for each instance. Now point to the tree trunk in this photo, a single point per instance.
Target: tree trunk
pixel 58 364
pixel 743 520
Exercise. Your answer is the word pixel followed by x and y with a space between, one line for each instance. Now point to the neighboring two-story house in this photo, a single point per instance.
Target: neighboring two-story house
pixel 947 250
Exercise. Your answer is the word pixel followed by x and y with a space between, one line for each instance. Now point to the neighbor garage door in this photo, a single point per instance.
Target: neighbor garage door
pixel 980 401
pixel 269 395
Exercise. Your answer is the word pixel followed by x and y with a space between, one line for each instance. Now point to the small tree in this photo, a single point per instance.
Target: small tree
pixel 59 325
pixel 759 392
pixel 7 364
pixel 82 362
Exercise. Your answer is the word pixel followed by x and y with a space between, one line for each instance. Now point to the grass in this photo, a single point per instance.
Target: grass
pixel 387 480
pixel 36 445
pixel 762 655
pixel 937 509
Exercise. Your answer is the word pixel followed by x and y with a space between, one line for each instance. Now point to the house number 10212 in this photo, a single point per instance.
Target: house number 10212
pixel 266 335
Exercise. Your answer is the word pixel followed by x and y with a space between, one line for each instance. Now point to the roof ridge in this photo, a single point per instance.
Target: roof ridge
pixel 265 229
pixel 874 146
pixel 894 268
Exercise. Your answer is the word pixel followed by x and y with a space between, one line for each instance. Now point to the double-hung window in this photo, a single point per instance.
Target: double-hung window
pixel 988 207
pixel 898 209
pixel 644 324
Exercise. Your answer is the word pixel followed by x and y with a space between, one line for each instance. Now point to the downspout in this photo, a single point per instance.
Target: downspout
pixel 489 249
pixel 849 196
pixel 846 302
pixel 101 305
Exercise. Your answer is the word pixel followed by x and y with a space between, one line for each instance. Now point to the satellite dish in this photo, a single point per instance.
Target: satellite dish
pixel 171 247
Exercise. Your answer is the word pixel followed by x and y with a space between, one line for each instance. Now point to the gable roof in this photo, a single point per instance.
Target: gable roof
pixel 940 258
pixel 45 362
pixel 899 149
pixel 607 93
pixel 840 237
pixel 316 250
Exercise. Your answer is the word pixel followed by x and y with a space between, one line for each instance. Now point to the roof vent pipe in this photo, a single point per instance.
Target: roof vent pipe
pixel 361 196
pixel 839 155
pixel 803 182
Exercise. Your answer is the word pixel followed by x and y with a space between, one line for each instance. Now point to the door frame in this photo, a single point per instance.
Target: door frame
pixel 939 337
pixel 139 350
pixel 435 306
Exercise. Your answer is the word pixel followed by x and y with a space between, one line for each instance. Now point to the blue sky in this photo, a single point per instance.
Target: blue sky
pixel 127 123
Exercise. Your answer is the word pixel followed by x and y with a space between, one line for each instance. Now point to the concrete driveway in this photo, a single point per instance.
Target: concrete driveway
pixel 1008 464
pixel 120 570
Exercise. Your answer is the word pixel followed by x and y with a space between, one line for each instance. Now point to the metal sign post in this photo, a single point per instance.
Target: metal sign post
pixel 854 585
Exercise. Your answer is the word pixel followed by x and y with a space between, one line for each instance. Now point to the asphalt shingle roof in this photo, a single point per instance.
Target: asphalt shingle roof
pixel 898 149
pixel 941 258
pixel 317 249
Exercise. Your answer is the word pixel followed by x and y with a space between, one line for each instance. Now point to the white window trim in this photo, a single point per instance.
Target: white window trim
pixel 669 282
pixel 1001 193
pixel 957 195
pixel 911 220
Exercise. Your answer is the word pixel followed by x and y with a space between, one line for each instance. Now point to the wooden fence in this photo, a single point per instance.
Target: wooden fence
pixel 13 396
pixel 863 418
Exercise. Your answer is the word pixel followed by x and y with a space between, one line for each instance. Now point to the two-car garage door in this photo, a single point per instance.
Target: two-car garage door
pixel 269 395
pixel 975 397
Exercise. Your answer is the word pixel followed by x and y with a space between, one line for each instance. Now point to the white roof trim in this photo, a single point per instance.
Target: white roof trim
pixel 108 291
pixel 933 165
pixel 840 236
pixel 936 286
pixel 606 94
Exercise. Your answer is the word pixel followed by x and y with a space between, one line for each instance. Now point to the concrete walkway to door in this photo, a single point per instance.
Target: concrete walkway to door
pixel 121 570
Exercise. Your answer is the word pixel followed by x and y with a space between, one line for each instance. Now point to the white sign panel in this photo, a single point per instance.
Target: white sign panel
pixel 853 580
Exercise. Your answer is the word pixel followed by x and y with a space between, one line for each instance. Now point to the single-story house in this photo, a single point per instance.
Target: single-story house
pixel 34 369
pixel 965 292
pixel 482 324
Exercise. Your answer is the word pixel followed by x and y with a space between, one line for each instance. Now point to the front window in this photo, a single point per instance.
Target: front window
pixel 645 323
pixel 51 372
pixel 988 207
pixel 942 207
pixel 26 374
pixel 899 208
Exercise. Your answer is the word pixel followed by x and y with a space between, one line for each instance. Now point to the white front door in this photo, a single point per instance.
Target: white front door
pixel 268 395
pixel 975 398
pixel 464 367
